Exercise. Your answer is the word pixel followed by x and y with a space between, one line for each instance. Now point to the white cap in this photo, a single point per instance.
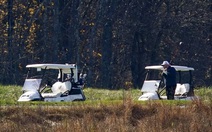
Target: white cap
pixel 165 63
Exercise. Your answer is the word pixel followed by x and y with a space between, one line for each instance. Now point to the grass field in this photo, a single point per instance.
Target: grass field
pixel 106 111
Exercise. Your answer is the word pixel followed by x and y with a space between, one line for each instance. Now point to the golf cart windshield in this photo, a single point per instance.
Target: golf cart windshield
pixel 59 71
pixel 183 73
pixel 31 84
pixel 47 76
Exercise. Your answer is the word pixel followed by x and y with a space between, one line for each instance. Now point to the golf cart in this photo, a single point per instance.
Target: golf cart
pixel 66 86
pixel 154 88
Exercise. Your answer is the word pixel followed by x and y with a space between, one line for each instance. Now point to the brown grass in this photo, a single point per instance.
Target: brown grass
pixel 126 117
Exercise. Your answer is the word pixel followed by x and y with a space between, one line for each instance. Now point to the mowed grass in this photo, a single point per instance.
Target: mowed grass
pixel 9 95
pixel 106 111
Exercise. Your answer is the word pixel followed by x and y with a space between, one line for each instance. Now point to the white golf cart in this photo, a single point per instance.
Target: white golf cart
pixel 66 86
pixel 153 87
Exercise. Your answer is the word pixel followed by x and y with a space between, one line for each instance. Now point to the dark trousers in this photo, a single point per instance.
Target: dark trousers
pixel 170 91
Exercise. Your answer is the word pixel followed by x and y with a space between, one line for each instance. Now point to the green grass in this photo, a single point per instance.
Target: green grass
pixel 106 94
pixel 9 95
pixel 205 93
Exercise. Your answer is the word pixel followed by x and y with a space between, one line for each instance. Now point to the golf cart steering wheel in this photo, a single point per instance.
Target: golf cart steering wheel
pixel 50 81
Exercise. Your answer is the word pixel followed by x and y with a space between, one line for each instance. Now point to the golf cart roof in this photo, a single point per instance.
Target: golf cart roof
pixel 52 66
pixel 177 68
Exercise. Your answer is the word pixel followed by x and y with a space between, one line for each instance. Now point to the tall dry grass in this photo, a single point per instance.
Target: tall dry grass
pixel 128 116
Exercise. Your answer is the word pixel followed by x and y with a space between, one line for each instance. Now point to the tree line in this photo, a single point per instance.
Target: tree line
pixel 110 40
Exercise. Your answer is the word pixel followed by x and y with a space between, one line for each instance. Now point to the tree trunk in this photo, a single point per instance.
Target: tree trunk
pixel 107 55
pixel 10 43
pixel 138 60
pixel 56 33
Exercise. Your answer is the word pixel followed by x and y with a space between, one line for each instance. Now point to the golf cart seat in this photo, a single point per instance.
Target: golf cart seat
pixel 58 89
pixel 182 89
